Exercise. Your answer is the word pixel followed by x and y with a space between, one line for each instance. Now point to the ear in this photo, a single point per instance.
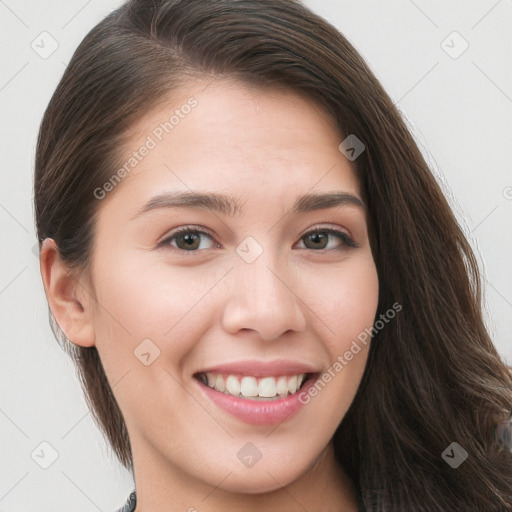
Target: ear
pixel 70 303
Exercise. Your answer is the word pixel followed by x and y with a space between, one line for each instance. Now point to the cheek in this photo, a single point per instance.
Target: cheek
pixel 149 309
pixel 345 298
pixel 166 305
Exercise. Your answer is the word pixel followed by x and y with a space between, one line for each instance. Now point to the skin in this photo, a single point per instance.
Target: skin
pixel 204 308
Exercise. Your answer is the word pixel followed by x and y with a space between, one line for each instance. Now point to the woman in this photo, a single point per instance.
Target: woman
pixel 268 299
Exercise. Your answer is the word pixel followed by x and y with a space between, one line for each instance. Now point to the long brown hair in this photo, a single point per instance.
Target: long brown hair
pixel 433 375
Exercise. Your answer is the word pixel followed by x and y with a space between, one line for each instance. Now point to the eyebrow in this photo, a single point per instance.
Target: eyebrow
pixel 228 205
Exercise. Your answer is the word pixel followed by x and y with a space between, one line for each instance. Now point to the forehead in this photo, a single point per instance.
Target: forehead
pixel 226 134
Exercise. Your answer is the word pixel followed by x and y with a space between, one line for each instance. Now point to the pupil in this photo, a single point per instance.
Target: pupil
pixel 318 238
pixel 190 240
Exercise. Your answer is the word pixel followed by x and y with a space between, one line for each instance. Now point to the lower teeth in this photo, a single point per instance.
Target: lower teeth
pixel 259 397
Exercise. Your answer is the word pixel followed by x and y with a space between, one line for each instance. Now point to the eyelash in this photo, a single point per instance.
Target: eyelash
pixel 347 241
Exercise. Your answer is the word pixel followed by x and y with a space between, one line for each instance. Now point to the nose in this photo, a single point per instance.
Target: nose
pixel 262 299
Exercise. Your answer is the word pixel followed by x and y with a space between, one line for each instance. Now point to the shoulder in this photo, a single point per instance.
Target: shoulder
pixel 129 506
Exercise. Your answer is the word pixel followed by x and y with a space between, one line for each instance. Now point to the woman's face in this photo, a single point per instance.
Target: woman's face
pixel 252 295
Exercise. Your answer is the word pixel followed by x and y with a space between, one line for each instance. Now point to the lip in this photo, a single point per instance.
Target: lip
pixel 276 367
pixel 257 412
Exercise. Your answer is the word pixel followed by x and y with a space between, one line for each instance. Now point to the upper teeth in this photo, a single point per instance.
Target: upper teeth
pixel 252 387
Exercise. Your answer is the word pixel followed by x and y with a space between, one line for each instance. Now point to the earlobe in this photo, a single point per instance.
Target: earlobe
pixel 72 309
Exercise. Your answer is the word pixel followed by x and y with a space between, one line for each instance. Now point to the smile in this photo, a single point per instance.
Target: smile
pixel 253 388
pixel 262 400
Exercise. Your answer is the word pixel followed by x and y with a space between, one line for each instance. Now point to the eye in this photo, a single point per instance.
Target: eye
pixel 189 239
pixel 318 239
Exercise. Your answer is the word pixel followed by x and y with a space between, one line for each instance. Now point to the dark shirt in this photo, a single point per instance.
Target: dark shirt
pixel 129 506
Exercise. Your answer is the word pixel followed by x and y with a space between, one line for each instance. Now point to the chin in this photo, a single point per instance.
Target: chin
pixel 261 478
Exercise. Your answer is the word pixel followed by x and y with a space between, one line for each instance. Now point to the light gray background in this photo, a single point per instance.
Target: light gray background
pixel 458 108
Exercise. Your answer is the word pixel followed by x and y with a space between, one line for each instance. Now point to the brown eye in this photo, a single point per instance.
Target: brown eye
pixel 188 240
pixel 319 239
